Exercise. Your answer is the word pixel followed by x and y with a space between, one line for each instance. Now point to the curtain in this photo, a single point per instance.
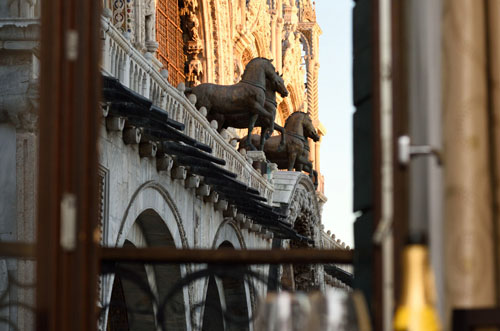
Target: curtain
pixel 471 136
pixel 493 10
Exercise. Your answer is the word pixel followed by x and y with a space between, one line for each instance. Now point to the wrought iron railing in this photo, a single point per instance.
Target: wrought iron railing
pixel 17 287
pixel 231 268
pixel 226 265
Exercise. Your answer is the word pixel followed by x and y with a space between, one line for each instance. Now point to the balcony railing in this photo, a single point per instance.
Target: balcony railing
pixel 142 73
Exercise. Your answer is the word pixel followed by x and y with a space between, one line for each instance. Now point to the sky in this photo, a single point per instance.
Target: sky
pixel 335 112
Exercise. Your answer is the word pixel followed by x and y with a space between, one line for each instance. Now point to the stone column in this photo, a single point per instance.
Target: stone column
pixel 26 187
pixel 18 168
pixel 18 144
pixel 125 72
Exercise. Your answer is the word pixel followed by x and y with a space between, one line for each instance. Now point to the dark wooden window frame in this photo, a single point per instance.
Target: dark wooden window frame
pixel 70 91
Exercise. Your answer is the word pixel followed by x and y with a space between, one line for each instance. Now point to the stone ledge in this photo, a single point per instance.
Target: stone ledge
pixel 19 29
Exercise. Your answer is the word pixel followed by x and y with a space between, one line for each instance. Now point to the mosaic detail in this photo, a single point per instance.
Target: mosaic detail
pixel 119 14
pixel 130 19
pixel 123 16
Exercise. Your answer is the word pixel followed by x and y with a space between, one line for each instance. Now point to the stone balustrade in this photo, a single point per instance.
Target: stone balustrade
pixel 143 74
pixel 329 242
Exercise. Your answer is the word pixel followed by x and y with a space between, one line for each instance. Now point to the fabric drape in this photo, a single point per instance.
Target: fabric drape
pixel 471 98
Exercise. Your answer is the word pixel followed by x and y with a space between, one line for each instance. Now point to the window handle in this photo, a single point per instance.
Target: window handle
pixel 407 151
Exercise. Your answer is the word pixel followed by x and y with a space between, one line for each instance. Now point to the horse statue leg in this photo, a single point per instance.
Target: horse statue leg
pixel 260 111
pixel 265 133
pixel 282 144
pixel 292 156
pixel 251 125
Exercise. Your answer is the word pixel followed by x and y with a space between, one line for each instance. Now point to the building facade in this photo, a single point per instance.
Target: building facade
pixel 212 41
pixel 152 189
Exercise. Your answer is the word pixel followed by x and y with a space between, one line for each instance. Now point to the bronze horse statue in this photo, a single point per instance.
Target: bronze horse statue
pixel 267 126
pixel 298 127
pixel 243 105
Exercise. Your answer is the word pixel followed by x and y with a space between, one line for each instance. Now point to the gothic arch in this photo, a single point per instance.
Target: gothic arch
pixel 303 197
pixel 212 319
pixel 281 114
pixel 131 308
pixel 228 231
pixel 241 60
pixel 246 42
pixel 304 215
pixel 306 45
pixel 150 229
pixel 227 294
pixel 152 195
pixel 293 99
pixel 247 55
pixel 260 47
pixel 285 109
pixel 303 208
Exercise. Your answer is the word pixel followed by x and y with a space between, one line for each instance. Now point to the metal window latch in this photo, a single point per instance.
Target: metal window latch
pixel 406 151
pixel 71 45
pixel 68 222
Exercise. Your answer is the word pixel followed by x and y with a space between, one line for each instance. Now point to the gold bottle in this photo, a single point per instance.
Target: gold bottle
pixel 416 310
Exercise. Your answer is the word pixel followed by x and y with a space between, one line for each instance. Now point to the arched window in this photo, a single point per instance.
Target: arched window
pixel 169 37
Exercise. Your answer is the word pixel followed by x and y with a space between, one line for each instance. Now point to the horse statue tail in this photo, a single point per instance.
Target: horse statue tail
pixel 188 90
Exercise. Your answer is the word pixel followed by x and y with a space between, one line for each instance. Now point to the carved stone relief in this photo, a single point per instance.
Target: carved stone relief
pixel 193 43
pixel 293 71
pixel 307 12
pixel 225 35
pixel 149 14
pixel 254 12
pixel 123 17
pixel 305 219
pixel 21 109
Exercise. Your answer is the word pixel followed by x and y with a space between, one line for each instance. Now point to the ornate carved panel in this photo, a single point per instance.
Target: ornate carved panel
pixel 169 37
pixel 102 204
pixel 124 17
pixel 193 43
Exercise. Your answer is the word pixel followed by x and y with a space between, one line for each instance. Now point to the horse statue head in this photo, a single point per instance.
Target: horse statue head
pixel 300 123
pixel 258 70
pixel 309 129
pixel 275 83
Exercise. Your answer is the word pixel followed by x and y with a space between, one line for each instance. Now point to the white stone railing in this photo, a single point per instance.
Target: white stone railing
pixel 142 74
pixel 329 242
